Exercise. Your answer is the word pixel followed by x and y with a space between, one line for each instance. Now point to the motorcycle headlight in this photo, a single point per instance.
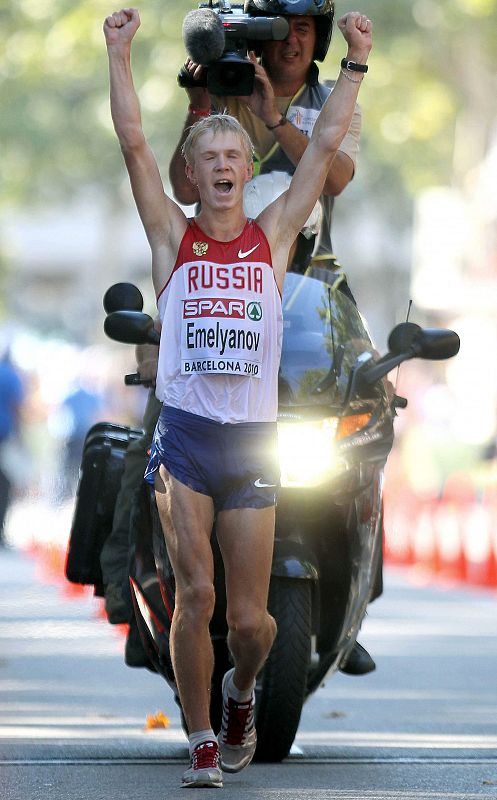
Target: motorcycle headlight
pixel 307 451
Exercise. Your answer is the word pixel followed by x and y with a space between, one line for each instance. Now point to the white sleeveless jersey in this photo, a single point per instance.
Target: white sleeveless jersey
pixel 222 328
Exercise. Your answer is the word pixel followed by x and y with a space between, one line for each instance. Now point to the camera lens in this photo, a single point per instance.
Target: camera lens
pixel 231 75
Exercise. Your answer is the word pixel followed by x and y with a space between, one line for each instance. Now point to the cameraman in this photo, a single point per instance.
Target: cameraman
pixel 279 117
pixel 280 114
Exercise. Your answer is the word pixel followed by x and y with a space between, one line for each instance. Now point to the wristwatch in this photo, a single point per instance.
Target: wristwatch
pixel 353 65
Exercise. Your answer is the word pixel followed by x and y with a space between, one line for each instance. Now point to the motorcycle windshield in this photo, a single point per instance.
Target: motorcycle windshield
pixel 323 334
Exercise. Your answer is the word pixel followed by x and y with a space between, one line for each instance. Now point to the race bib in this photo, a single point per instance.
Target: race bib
pixel 222 335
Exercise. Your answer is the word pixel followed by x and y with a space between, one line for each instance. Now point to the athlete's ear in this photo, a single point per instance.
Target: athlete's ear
pixel 190 174
pixel 250 170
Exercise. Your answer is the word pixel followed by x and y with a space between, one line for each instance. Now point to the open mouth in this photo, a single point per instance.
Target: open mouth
pixel 224 186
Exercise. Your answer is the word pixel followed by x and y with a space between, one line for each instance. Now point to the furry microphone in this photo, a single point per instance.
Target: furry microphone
pixel 203 36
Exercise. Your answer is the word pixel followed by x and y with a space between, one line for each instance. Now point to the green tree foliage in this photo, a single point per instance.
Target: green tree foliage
pixel 430 90
pixel 55 124
pixel 434 60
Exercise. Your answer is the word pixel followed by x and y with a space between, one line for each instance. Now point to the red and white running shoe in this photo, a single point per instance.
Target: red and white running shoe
pixel 205 769
pixel 237 737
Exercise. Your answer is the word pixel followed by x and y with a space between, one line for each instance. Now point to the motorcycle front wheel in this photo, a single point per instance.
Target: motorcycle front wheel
pixel 281 686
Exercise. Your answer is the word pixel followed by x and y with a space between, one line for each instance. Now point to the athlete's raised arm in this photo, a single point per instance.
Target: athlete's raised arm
pixel 163 220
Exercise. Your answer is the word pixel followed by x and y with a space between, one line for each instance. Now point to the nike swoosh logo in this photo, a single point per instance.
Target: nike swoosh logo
pixel 244 255
pixel 261 485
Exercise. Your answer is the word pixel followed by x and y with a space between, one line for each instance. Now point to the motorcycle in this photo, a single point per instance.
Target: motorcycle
pixel 335 431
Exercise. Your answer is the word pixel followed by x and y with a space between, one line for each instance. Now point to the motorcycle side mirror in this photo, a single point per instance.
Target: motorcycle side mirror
pixel 435 344
pixel 131 327
pixel 410 341
pixel 123 297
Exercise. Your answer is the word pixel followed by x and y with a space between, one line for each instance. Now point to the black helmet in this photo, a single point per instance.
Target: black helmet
pixel 322 10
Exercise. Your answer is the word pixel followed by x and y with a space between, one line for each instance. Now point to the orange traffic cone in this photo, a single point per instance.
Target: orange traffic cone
pixel 451 564
pixel 478 546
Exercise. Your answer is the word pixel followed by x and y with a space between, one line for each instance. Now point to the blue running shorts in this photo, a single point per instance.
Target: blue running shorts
pixel 235 464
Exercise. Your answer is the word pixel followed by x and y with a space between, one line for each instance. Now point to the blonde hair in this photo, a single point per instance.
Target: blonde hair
pixel 215 123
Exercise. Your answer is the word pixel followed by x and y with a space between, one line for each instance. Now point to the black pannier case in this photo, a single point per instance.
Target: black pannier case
pixel 100 475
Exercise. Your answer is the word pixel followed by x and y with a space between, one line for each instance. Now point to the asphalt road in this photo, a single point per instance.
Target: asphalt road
pixel 72 715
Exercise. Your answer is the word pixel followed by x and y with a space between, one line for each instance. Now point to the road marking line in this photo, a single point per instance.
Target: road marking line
pixel 467 760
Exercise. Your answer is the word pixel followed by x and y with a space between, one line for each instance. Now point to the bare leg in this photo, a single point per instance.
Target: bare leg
pixel 246 538
pixel 187 519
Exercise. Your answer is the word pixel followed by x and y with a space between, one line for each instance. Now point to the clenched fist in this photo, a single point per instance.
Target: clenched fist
pixel 357 32
pixel 121 26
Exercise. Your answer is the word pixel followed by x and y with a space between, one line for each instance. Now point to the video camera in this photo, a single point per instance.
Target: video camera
pixel 218 39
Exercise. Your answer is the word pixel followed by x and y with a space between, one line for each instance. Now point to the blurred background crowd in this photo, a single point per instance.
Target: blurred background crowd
pixel 419 221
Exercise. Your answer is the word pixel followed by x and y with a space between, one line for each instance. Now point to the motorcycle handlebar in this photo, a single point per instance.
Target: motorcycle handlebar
pixel 399 402
pixel 133 379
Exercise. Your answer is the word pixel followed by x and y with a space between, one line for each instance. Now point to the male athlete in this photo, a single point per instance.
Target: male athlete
pixel 218 280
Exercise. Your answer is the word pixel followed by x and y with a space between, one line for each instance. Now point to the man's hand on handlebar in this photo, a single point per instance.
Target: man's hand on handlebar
pixel 147 357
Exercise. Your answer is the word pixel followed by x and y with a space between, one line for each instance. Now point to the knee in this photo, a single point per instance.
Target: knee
pixel 248 625
pixel 196 600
